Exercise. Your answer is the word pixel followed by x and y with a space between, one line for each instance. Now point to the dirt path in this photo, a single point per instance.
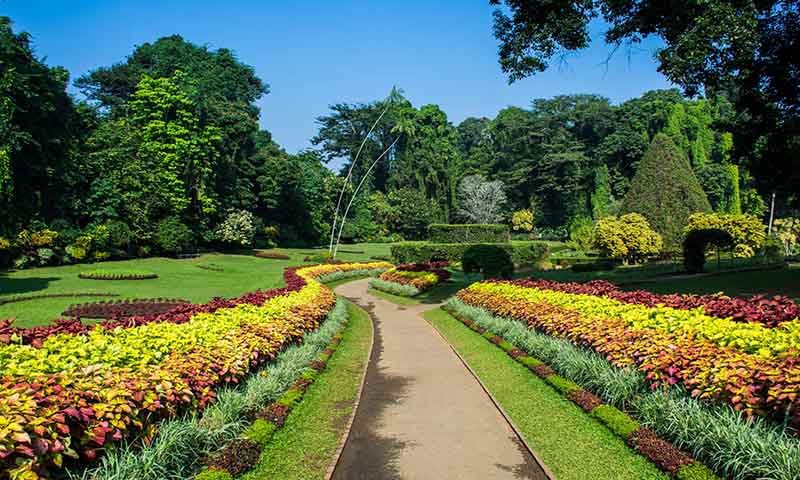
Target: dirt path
pixel 422 415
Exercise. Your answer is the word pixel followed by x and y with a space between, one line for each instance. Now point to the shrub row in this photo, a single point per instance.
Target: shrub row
pixel 661 452
pixel 68 400
pixel 753 368
pixel 770 312
pixel 468 233
pixel 117 275
pixel 181 444
pixel 734 445
pixel 123 308
pixel 522 252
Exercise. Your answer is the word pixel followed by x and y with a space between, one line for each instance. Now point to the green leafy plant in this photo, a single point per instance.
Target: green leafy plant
pixel 628 238
pixel 748 232
pixel 467 233
pixel 172 236
pixel 490 260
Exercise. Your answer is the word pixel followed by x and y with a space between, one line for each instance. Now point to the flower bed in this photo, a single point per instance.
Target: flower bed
pixel 735 446
pixel 753 368
pixel 117 275
pixel 756 309
pixel 84 389
pixel 411 279
pixel 123 308
pixel 661 452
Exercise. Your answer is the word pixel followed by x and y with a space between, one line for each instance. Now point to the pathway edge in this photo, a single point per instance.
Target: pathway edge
pixel 346 434
pixel 494 401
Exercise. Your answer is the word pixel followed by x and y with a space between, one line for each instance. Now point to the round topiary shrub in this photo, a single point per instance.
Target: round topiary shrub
pixel 117 275
pixel 490 260
pixel 696 243
pixel 172 236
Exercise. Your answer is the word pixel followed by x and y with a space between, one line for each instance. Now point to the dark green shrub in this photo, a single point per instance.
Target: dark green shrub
pixel 774 250
pixel 522 252
pixel 563 385
pixel 529 253
pixel 172 236
pixel 696 243
pixel 468 233
pixel 490 260
pixel 119 235
pixel 666 191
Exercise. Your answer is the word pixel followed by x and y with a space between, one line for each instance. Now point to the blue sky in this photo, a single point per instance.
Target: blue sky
pixel 316 53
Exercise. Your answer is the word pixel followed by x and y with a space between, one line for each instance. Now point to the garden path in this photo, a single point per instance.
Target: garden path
pixel 422 414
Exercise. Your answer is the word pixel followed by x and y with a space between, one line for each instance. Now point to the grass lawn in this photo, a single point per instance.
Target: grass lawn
pixel 305 446
pixel 771 282
pixel 571 443
pixel 177 279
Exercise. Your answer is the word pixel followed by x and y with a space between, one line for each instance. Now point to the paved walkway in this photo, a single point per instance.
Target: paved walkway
pixel 422 415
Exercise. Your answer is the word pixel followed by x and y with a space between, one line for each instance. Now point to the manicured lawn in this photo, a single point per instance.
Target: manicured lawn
pixel 305 446
pixel 570 442
pixel 177 279
pixel 771 282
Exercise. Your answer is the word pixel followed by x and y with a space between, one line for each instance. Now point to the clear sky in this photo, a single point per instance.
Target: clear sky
pixel 316 53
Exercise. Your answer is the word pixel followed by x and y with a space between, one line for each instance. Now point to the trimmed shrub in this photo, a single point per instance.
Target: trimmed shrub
pixel 213 474
pixel 260 431
pixel 522 221
pixel 490 260
pixel 172 236
pixel 628 238
pixel 615 420
pixel 666 191
pixel 468 233
pixel 696 243
pixel 599 266
pixel 521 252
pixel 748 232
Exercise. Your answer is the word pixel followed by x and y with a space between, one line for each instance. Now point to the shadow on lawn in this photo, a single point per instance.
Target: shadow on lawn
pixel 16 286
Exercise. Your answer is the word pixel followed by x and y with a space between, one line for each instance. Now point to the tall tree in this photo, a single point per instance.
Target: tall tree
pixel 665 191
pixel 40 132
pixel 751 50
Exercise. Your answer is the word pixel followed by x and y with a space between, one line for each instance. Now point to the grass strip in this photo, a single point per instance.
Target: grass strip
pixel 305 446
pixel 572 444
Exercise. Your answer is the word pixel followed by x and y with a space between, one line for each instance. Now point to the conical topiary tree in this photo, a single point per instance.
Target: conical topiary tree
pixel 666 191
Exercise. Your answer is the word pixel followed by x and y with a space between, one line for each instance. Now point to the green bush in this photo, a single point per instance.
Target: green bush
pixel 615 420
pixel 521 252
pixel 522 220
pixel 666 191
pixel 119 235
pixel 260 431
pixel 628 238
pixel 468 233
pixel 172 236
pixel 490 260
pixel 747 231
pixel 696 244
pixel 774 249
pixel 695 471
pixel 581 233
pixel 213 474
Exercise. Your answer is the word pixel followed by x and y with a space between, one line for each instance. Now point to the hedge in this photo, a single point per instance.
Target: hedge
pixel 522 253
pixel 468 233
